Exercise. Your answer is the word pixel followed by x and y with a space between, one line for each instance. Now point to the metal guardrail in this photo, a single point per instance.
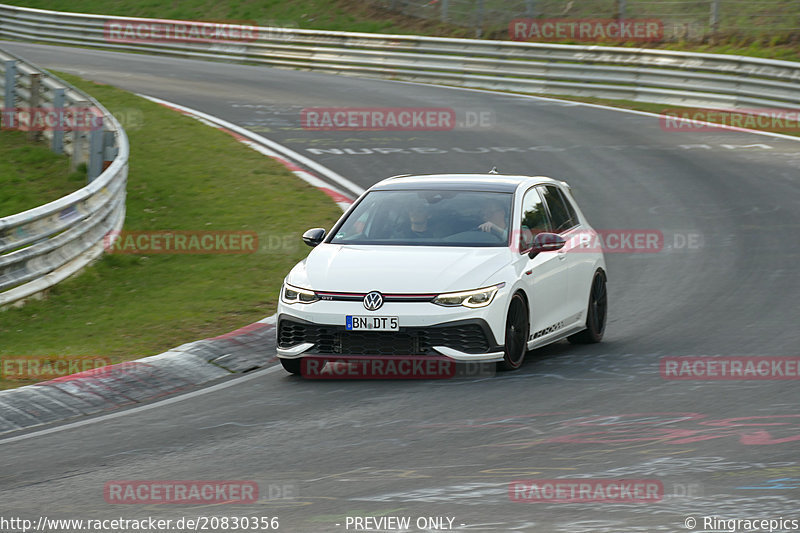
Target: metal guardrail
pixel 646 75
pixel 42 246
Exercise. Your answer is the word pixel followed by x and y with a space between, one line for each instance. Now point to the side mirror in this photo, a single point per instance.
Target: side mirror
pixel 546 242
pixel 314 236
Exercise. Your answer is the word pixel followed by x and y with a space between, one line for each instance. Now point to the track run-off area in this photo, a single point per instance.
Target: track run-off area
pixel 724 283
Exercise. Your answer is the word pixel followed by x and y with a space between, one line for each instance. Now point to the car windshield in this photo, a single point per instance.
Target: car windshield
pixel 428 218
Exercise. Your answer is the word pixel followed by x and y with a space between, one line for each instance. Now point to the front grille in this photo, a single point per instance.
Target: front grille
pixel 468 338
pixel 291 333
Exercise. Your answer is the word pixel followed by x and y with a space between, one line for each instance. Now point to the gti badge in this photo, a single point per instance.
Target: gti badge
pixel 373 301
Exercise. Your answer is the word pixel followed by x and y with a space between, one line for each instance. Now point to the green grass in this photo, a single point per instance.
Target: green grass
pixel 183 176
pixel 312 14
pixel 32 175
pixel 742 47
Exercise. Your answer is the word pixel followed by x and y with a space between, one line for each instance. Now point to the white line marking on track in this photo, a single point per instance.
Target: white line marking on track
pixel 147 407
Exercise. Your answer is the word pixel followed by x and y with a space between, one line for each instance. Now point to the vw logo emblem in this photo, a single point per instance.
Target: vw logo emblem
pixel 373 301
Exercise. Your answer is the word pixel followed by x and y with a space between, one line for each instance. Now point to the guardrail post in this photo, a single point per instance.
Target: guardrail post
pixel 57 142
pixel 33 104
pixel 10 93
pixel 444 10
pixel 109 150
pixel 79 139
pixel 479 15
pixel 78 142
pixel 714 16
pixel 96 151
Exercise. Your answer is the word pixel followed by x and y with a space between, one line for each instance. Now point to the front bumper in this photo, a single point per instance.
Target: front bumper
pixel 460 340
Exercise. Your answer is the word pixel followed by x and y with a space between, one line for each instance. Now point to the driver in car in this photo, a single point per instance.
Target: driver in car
pixel 419 214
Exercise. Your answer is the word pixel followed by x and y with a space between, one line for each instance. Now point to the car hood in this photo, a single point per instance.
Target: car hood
pixel 398 269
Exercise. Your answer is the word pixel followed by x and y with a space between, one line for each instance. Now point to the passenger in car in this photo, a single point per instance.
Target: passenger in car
pixel 494 213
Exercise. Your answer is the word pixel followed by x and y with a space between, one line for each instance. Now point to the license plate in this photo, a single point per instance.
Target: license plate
pixel 372 323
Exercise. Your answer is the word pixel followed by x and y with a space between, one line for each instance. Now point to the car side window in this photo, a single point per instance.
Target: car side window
pixel 561 217
pixel 533 219
pixel 570 208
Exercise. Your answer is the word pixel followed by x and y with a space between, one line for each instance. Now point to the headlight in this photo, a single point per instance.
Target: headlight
pixel 476 298
pixel 296 295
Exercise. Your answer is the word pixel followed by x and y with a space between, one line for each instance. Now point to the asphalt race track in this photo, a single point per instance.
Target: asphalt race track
pixel 725 283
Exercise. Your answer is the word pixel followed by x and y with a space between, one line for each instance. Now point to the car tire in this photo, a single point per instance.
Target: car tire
pixel 516 334
pixel 596 314
pixel 292 365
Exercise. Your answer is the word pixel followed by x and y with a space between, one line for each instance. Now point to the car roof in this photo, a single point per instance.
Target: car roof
pixel 475 182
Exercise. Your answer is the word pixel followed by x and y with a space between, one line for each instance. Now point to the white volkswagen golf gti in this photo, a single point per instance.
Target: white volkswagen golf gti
pixel 471 267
